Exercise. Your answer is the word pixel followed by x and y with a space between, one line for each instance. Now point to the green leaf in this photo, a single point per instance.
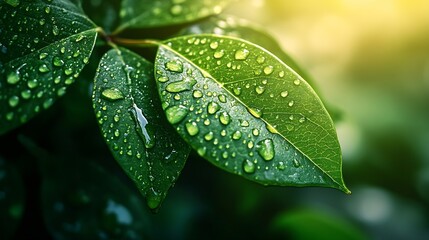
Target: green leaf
pixel 44 46
pixel 247 112
pixel 149 13
pixel 130 116
pixel 240 28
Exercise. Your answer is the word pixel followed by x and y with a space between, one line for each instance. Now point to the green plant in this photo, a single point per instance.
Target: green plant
pixel 209 87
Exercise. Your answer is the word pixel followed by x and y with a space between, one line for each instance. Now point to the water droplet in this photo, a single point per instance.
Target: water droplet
pixel 244 123
pixel 225 155
pixel 43 56
pixel 224 118
pixel 219 54
pixel 153 199
pixel 266 149
pixel 142 127
pixel 47 103
pixel 61 91
pixel 271 129
pixel 55 30
pixel 192 128
pixel 250 144
pixel 112 94
pixel 290 103
pixel 207 122
pixel 249 166
pixel 117 133
pixel 257 113
pixel 32 83
pixel 302 119
pixel 281 166
pixel 42 22
pixel 260 89
pixel 197 94
pixel 47 9
pixel 26 94
pixel 222 98
pixel 9 116
pixel 43 68
pixel 281 74
pixel 116 118
pixel 214 45
pixel 176 9
pixel 58 62
pixel 162 79
pixel 175 114
pixel 260 59
pixel 255 132
pixel 284 93
pixel 268 70
pixel 68 71
pixel 236 135
pixel 209 136
pixel 297 82
pixel 79 38
pixel 13 78
pixel 241 54
pixel 212 108
pixel 296 163
pixel 13 101
pixel 174 66
pixel 180 86
pixel 237 91
pixel 202 151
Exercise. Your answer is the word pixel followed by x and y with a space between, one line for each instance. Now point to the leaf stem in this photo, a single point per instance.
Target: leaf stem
pixel 135 42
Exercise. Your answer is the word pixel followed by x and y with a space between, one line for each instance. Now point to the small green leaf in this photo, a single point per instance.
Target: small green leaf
pixel 149 13
pixel 247 112
pixel 44 47
pixel 132 122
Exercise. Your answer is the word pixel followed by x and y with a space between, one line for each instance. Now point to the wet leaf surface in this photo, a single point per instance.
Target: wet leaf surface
pixel 44 46
pixel 245 111
pixel 133 124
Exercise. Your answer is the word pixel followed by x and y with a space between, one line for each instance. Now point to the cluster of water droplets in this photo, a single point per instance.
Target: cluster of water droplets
pixel 211 115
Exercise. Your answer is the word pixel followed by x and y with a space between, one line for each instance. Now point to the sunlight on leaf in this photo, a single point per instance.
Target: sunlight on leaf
pixel 245 111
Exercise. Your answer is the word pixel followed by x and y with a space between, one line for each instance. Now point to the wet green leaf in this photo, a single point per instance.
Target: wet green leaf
pixel 44 46
pixel 133 124
pixel 149 13
pixel 245 111
pixel 240 28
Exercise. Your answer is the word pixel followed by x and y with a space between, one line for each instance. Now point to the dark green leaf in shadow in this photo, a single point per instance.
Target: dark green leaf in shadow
pixel 44 46
pixel 310 224
pixel 149 13
pixel 247 112
pixel 134 126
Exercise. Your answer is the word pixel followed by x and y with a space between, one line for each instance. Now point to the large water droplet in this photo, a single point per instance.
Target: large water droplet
pixel 197 94
pixel 202 151
pixel 224 118
pixel 174 66
pixel 163 79
pixel 143 130
pixel 55 30
pixel 219 54
pixel 209 136
pixel 192 128
pixel 297 82
pixel 236 135
pixel 266 149
pixel 284 93
pixel 153 199
pixel 13 78
pixel 112 94
pixel 175 114
pixel 176 9
pixel 222 98
pixel 268 70
pixel 26 94
pixel 32 83
pixel 58 62
pixel 213 107
pixel 13 101
pixel 237 91
pixel 241 54
pixel 61 91
pixel 248 166
pixel 271 129
pixel 180 86
pixel 43 68
pixel 260 89
pixel 260 59
pixel 47 103
pixel 214 45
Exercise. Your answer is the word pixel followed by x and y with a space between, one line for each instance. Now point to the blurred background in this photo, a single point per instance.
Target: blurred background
pixel 368 59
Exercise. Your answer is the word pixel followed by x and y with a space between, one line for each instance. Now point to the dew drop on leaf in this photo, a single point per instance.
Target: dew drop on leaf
pixel 266 149
pixel 47 103
pixel 257 113
pixel 26 94
pixel 224 118
pixel 174 66
pixel 296 82
pixel 213 107
pixel 248 166
pixel 268 70
pixel 209 136
pixel 142 127
pixel 112 94
pixel 13 78
pixel 43 68
pixel 175 114
pixel 13 101
pixel 58 62
pixel 241 54
pixel 236 135
pixel 284 93
pixel 192 128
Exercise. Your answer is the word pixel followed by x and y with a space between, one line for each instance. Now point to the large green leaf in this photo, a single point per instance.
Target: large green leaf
pixel 149 13
pixel 133 124
pixel 235 27
pixel 247 112
pixel 44 46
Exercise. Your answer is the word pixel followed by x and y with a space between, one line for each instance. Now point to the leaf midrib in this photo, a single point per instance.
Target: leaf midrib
pixel 207 74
